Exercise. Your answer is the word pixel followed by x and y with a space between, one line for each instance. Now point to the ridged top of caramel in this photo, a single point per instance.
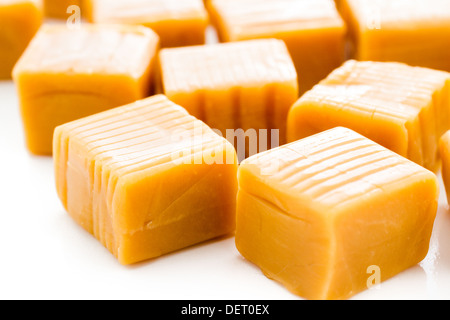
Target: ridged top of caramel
pixel 385 82
pixel 90 49
pixel 253 17
pixel 330 169
pixel 141 11
pixel 146 134
pixel 401 14
pixel 393 90
pixel 226 65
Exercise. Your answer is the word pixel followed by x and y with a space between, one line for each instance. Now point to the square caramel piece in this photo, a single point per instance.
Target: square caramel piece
pixel 178 23
pixel 313 31
pixel 404 108
pixel 19 22
pixel 247 85
pixel 415 32
pixel 146 179
pixel 334 214
pixel 69 73
pixel 60 9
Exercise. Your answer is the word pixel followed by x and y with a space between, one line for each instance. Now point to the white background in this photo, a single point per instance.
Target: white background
pixel 45 255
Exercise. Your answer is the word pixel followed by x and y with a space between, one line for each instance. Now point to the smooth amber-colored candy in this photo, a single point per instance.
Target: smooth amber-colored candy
pixel 248 85
pixel 146 179
pixel 178 23
pixel 415 32
pixel 334 214
pixel 404 108
pixel 313 31
pixel 69 73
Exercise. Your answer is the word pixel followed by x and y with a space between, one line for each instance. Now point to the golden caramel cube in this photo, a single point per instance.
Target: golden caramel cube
pixel 146 179
pixel 403 108
pixel 322 214
pixel 66 74
pixel 19 21
pixel 248 85
pixel 415 32
pixel 178 23
pixel 312 30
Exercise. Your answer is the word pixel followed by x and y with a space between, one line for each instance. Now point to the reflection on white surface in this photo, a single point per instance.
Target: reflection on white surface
pixel 429 264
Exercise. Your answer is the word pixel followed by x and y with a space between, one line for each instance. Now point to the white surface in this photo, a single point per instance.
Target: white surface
pixel 45 255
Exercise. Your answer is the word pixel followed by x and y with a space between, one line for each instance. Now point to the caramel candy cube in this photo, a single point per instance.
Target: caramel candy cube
pixel 248 85
pixel 313 31
pixel 19 21
pixel 415 32
pixel 146 179
pixel 331 215
pixel 403 108
pixel 178 23
pixel 69 73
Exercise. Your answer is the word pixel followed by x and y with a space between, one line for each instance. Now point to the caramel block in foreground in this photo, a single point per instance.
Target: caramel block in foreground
pixel 146 179
pixel 66 74
pixel 404 108
pixel 178 23
pixel 444 148
pixel 313 31
pixel 59 8
pixel 415 32
pixel 19 21
pixel 248 85
pixel 320 215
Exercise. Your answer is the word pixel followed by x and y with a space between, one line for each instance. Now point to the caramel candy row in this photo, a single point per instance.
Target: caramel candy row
pixel 246 86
